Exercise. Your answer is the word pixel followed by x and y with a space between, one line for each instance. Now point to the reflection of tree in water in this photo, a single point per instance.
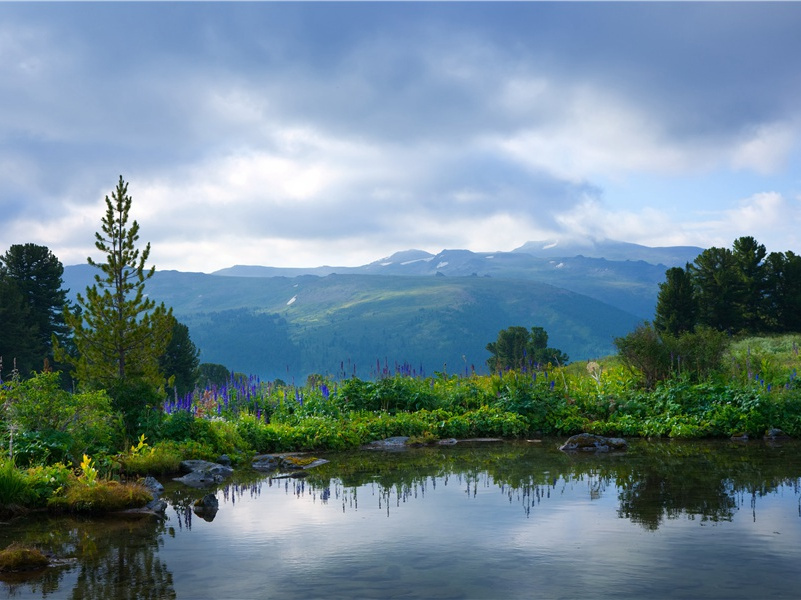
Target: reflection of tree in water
pixel 113 558
pixel 654 480
pixel 124 565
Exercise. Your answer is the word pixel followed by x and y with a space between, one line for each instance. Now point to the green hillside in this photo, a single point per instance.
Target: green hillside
pixel 289 327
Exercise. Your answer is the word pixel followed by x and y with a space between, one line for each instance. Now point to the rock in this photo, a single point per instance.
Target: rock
pixel 448 442
pixel 739 437
pixel 224 460
pixel 392 443
pixel 588 442
pixel 775 434
pixel 157 505
pixel 202 473
pixel 266 462
pixel 153 486
pixel 286 462
pixel 206 507
pixel 207 502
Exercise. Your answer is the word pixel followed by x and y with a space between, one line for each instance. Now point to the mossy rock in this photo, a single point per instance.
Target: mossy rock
pixel 18 557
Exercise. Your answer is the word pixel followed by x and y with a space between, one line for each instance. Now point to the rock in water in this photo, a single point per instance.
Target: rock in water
pixel 588 442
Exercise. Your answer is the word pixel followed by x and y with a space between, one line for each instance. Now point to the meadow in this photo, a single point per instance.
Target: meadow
pixel 59 444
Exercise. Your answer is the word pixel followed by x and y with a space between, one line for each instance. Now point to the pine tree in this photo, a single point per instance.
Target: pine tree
pixel 180 361
pixel 676 304
pixel 19 339
pixel 119 333
pixel 519 348
pixel 716 278
pixel 37 274
pixel 782 302
pixel 749 256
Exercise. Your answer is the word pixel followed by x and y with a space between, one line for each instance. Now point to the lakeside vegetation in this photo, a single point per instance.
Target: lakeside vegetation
pixel 127 397
pixel 754 390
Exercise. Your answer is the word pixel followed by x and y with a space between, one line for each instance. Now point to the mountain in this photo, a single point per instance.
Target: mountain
pixel 433 311
pixel 289 327
pixel 671 256
pixel 630 285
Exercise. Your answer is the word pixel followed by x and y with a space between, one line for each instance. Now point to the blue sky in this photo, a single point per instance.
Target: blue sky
pixel 303 134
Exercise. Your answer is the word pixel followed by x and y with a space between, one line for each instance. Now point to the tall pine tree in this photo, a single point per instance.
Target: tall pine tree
pixel 676 304
pixel 37 274
pixel 119 333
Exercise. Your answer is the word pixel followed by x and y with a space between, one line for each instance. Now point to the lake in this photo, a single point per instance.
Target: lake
pixel 486 520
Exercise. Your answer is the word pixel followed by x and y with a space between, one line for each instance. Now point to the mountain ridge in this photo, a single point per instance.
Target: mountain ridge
pixel 433 311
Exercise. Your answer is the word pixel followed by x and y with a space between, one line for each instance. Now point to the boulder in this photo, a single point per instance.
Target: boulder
pixel 286 462
pixel 157 505
pixel 206 507
pixel 588 442
pixel 202 473
pixel 775 434
pixel 153 486
pixel 392 443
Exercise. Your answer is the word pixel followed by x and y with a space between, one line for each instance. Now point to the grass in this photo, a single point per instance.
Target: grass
pixel 14 489
pixel 101 496
pixel 19 557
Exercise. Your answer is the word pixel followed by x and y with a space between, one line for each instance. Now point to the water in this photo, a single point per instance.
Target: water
pixel 513 520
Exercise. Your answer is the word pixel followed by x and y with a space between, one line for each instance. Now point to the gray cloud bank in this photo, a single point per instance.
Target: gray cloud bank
pixel 302 134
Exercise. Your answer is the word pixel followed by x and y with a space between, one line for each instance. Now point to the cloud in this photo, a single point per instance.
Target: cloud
pixel 329 132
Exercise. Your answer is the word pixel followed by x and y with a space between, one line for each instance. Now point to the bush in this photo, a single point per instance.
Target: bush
pixel 163 457
pixel 46 481
pixel 57 425
pixel 14 489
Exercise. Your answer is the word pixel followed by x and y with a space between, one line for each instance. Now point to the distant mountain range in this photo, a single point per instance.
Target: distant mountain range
pixel 433 312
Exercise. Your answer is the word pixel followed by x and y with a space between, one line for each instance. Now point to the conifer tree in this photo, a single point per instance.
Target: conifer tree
pixel 19 339
pixel 676 304
pixel 119 333
pixel 36 272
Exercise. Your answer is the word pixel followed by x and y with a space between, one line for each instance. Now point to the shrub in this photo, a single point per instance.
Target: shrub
pixel 14 490
pixel 46 481
pixel 163 457
pixel 55 424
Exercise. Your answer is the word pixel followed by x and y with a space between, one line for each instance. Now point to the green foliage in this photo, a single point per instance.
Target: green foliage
pixel 37 274
pixel 781 309
pixel 138 402
pixel 656 356
pixel 119 332
pixel 99 496
pixel 180 361
pixel 14 490
pixel 392 394
pixel 19 346
pixel 518 348
pixel 742 290
pixel 163 457
pixel 211 374
pixel 54 424
pixel 45 481
pixel 676 304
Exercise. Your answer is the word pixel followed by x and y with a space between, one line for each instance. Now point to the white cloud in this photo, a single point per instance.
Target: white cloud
pixel 765 148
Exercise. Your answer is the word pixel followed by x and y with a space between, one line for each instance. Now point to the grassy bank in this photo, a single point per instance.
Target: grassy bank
pixel 754 390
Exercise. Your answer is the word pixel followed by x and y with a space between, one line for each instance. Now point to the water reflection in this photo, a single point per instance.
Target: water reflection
pixel 101 559
pixel 427 522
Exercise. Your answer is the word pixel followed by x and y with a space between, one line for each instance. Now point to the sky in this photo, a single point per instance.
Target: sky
pixel 307 134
